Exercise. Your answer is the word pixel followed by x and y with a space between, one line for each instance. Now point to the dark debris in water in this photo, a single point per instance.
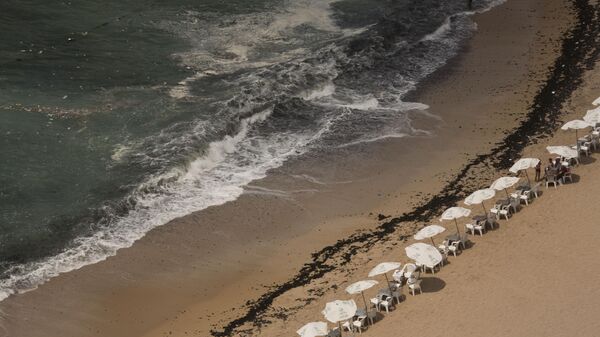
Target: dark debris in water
pixel 579 53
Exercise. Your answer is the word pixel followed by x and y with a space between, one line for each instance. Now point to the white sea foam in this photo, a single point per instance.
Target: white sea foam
pixel 324 91
pixel 374 139
pixel 213 179
pixel 231 163
pixel 250 40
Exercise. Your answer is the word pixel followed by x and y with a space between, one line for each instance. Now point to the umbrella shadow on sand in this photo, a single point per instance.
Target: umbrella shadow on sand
pixel 432 284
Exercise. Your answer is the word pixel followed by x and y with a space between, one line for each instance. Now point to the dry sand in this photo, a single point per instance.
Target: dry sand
pixel 196 273
pixel 535 275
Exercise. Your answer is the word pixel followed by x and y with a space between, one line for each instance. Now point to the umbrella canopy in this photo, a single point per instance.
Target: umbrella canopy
pixel 479 196
pixel 563 151
pixel 428 232
pixel 592 116
pixel 360 287
pixel 384 267
pixel 524 164
pixel 313 329
pixel 454 213
pixel 503 183
pixel 576 124
pixel 424 254
pixel 596 101
pixel 337 311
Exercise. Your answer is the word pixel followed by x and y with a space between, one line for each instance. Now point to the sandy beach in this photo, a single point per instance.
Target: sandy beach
pixel 267 263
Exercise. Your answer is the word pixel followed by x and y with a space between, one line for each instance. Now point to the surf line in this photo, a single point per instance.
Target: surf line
pixel 579 53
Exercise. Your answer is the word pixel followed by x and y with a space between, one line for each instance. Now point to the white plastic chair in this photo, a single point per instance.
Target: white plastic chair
pixel 490 220
pixel 525 197
pixel 387 303
pixel 398 276
pixel 376 302
pixel 566 176
pixel 499 212
pixel 397 296
pixel 443 246
pixel 464 239
pixel 454 247
pixel 348 326
pixel 335 332
pixel 514 205
pixel 415 286
pixel 535 190
pixel 409 269
pixel 359 323
pixel 583 148
pixel 473 228
pixel 425 267
pixel 551 179
pixel 372 315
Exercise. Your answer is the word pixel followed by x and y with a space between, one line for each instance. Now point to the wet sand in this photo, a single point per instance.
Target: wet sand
pixel 196 273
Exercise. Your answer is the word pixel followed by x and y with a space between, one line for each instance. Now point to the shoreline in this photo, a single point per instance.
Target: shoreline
pixel 320 266
pixel 539 124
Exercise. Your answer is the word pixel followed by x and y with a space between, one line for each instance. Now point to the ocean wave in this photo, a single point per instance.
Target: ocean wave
pixel 288 98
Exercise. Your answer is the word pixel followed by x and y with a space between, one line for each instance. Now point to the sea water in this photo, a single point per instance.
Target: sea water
pixel 119 116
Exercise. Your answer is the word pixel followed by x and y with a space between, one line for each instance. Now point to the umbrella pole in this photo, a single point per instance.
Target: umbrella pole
pixel 484 209
pixel 506 191
pixel 527 175
pixel 388 283
pixel 432 243
pixel 340 327
pixel 366 307
pixel 456 224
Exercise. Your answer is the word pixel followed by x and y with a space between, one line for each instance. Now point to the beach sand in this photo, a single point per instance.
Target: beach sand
pixel 195 274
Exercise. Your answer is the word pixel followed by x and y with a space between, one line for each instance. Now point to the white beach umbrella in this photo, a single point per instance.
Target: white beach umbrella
pixel 575 124
pixel 384 268
pixel 523 164
pixel 454 213
pixel 360 287
pixel 428 232
pixel 338 311
pixel 563 151
pixel 503 183
pixel 424 254
pixel 596 101
pixel 479 196
pixel 592 116
pixel 313 329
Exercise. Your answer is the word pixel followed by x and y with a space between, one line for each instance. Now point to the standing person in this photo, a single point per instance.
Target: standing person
pixel 538 170
pixel 550 165
pixel 557 164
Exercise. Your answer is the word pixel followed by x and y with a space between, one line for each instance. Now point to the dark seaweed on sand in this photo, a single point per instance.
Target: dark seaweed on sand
pixel 579 52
